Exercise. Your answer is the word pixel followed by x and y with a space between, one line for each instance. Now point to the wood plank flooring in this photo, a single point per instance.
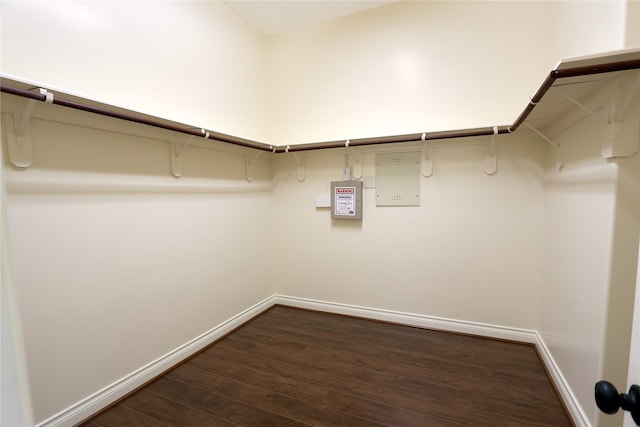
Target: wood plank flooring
pixel 291 367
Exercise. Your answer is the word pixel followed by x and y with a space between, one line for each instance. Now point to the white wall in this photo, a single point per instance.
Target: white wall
pixel 586 27
pixel 634 354
pixel 115 261
pixel 15 405
pixel 579 217
pixel 189 61
pixel 472 250
pixel 405 67
pixel 408 67
pixel 632 38
pixel 591 252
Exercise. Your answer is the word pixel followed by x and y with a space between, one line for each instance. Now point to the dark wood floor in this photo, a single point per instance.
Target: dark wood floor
pixel 297 367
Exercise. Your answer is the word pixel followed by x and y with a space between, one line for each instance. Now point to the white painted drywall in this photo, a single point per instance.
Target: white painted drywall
pixel 584 28
pixel 592 232
pixel 407 67
pixel 412 67
pixel 115 261
pixel 629 197
pixel 634 354
pixel 190 61
pixel 578 228
pixel 472 250
pixel 632 38
pixel 15 402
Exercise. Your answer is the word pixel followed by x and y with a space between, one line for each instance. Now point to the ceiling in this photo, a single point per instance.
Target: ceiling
pixel 273 17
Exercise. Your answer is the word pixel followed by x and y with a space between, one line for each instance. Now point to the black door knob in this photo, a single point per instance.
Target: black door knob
pixel 609 400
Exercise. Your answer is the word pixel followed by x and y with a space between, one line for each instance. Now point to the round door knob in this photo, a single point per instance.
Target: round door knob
pixel 607 397
pixel 609 400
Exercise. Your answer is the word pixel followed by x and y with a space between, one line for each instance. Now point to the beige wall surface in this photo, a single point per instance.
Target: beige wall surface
pixel 578 229
pixel 427 65
pixel 634 354
pixel 471 251
pixel 194 62
pixel 591 254
pixel 580 28
pixel 115 261
pixel 632 38
pixel 407 67
pixel 15 405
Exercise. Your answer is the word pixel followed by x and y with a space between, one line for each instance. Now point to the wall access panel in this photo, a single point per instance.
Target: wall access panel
pixel 398 179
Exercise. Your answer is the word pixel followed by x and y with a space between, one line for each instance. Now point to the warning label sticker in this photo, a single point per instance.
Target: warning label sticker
pixel 345 201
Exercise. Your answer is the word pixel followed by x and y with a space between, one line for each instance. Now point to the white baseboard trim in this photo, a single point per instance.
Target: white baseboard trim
pixel 410 319
pixel 101 399
pixel 570 400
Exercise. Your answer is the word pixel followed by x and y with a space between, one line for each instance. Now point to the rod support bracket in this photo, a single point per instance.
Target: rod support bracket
pixel 300 170
pixel 427 155
pixel 623 133
pixel 491 158
pixel 18 125
pixel 357 160
pixel 177 152
pixel 557 146
pixel 19 144
pixel 249 163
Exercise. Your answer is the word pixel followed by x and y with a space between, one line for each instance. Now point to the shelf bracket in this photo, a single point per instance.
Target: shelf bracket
pixel 427 154
pixel 300 170
pixel 622 141
pixel 250 162
pixel 541 135
pixel 177 151
pixel 559 164
pixel 491 158
pixel 357 165
pixel 559 158
pixel 356 172
pixel 631 95
pixel 581 106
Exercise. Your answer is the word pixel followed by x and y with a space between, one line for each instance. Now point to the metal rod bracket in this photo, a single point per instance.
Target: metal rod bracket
pixel 19 146
pixel 249 165
pixel 559 164
pixel 582 106
pixel 177 152
pixel 427 155
pixel 491 158
pixel 18 125
pixel 300 170
pixel 541 135
pixel 623 134
pixel 356 171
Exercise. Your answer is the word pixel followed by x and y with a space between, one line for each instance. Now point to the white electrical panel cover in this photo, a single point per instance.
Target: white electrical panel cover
pixel 398 179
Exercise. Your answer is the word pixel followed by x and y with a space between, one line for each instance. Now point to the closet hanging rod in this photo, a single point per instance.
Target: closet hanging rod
pixel 229 139
pixel 558 73
pixel 412 137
